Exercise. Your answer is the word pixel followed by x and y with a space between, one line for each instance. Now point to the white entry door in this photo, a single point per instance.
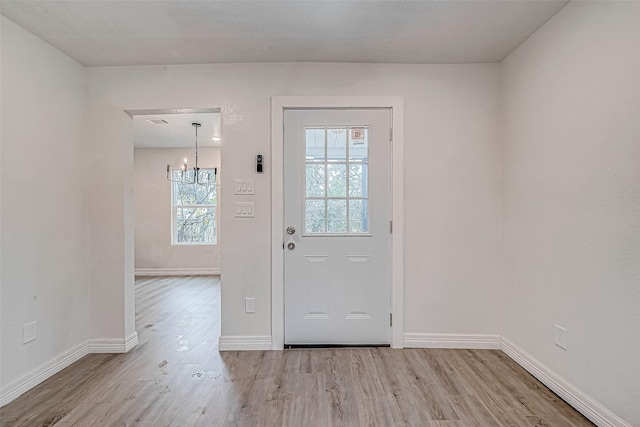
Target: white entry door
pixel 337 218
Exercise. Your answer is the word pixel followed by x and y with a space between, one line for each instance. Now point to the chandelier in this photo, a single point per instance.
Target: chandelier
pixel 199 177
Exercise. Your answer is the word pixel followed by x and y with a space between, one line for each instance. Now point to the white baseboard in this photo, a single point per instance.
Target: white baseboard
pixel 23 384
pixel 177 271
pixel 243 343
pixel 113 345
pixel 584 404
pixel 131 341
pixel 465 341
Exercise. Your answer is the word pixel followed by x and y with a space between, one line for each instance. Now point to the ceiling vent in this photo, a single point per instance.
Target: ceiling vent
pixel 158 121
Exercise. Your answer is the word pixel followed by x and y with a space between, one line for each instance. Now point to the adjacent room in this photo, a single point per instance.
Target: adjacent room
pixel 442 195
pixel 176 223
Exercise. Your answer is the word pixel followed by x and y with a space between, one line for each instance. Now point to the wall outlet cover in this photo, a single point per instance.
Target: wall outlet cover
pixel 29 332
pixel 250 305
pixel 560 336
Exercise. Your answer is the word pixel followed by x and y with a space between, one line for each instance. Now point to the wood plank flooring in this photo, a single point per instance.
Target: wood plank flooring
pixel 177 377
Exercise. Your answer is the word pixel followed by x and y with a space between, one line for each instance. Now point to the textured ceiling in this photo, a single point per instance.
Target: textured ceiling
pixel 113 32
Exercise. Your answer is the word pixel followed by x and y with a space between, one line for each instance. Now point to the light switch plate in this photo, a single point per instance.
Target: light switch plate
pixel 245 186
pixel 244 209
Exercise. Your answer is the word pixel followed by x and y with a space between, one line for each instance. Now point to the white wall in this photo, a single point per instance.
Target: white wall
pixel 572 199
pixel 109 174
pixel 44 202
pixel 152 195
pixel 452 188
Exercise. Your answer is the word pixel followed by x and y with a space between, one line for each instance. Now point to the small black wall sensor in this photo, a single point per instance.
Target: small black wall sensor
pixel 259 163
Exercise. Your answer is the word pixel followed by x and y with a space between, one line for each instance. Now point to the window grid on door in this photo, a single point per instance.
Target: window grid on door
pixel 336 178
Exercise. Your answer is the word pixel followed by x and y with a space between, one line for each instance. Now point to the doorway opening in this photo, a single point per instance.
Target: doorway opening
pixel 176 223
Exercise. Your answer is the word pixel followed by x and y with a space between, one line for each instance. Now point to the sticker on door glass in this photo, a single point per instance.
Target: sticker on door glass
pixel 357 135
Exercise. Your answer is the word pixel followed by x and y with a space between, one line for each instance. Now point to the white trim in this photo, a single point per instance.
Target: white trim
pixel 397 216
pixel 23 384
pixel 575 397
pixel 243 343
pixel 177 271
pixel 131 342
pixel 278 105
pixel 113 345
pixel 460 341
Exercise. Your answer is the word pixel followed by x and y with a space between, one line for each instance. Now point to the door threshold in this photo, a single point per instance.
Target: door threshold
pixel 298 346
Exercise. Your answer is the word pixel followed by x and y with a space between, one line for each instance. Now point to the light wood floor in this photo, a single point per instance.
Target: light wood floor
pixel 176 376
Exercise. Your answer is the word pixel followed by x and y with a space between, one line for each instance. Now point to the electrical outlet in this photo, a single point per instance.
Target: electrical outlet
pixel 29 332
pixel 249 305
pixel 560 337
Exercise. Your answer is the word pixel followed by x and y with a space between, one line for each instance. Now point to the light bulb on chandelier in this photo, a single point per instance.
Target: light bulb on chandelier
pixel 199 177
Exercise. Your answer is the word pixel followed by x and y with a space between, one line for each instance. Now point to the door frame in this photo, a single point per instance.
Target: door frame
pixel 278 105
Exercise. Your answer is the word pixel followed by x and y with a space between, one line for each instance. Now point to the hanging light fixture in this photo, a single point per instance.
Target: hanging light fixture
pixel 199 177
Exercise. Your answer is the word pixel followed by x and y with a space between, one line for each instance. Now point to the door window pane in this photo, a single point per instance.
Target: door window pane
pixel 358 216
pixel 315 139
pixel 336 216
pixel 336 180
pixel 358 180
pixel 315 180
pixel 336 145
pixel 314 216
pixel 358 144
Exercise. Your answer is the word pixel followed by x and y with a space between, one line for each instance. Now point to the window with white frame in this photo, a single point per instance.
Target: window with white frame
pixel 193 210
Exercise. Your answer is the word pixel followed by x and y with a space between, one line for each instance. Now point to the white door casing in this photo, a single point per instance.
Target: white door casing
pixel 275 166
pixel 337 214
